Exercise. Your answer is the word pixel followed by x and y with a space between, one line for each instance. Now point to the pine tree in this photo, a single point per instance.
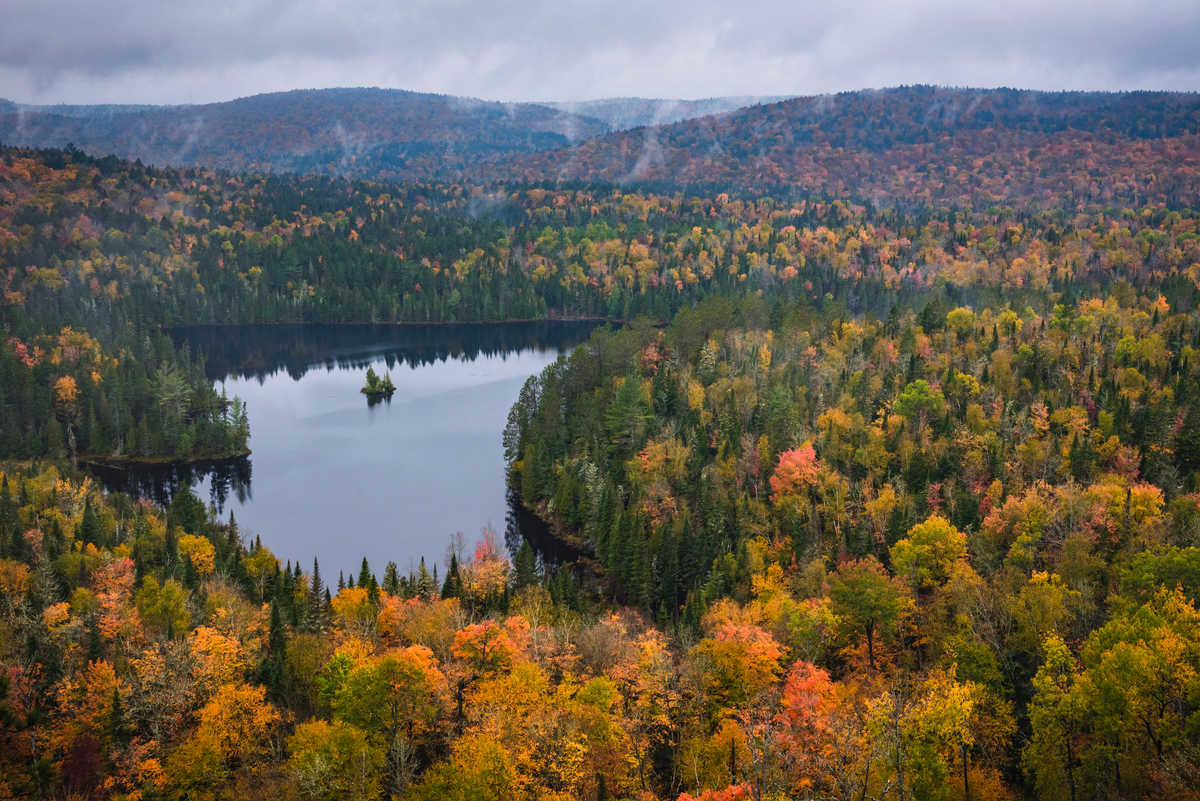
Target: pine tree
pixel 171 548
pixel 391 579
pixel 1187 440
pixel 89 528
pixel 315 598
pixel 231 534
pixel 525 572
pixel 119 729
pixel 8 517
pixel 452 588
pixel 425 584
pixel 1081 457
pixel 191 579
pixel 272 670
pixel 95 643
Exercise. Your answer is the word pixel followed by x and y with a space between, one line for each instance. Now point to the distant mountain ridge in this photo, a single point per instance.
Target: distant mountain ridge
pixel 70 110
pixel 623 113
pixel 378 133
pixel 360 132
pixel 912 144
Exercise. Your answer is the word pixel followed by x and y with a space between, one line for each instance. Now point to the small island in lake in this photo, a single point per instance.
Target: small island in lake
pixel 377 387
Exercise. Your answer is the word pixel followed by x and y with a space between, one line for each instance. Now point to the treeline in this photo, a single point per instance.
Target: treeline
pixel 101 243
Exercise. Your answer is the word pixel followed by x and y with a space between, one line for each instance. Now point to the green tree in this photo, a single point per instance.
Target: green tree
pixel 925 556
pixel 333 761
pixel 868 600
pixel 163 607
pixel 918 402
pixel 1051 757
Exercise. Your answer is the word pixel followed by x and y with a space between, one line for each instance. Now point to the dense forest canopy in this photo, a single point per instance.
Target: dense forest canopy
pixel 884 483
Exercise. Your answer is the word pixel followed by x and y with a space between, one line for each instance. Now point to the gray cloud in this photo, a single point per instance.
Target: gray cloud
pixel 149 51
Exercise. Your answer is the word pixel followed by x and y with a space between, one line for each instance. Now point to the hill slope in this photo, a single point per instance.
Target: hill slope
pixel 623 113
pixel 373 133
pixel 915 144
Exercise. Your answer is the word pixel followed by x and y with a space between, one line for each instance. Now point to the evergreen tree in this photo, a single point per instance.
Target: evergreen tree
pixel 1081 457
pixel 190 578
pixel 316 593
pixel 95 642
pixel 391 579
pixel 89 527
pixel 1187 440
pixel 452 588
pixel 274 666
pixel 118 727
pixel 525 568
pixel 426 586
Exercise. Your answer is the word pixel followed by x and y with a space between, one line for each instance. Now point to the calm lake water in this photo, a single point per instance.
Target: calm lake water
pixel 333 476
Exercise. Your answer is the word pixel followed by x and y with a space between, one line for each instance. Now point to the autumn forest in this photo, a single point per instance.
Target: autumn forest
pixel 879 479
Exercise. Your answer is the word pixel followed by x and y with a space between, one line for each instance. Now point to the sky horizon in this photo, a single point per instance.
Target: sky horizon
pixel 584 100
pixel 577 50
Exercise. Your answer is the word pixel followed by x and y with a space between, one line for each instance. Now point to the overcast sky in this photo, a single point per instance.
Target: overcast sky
pixel 177 51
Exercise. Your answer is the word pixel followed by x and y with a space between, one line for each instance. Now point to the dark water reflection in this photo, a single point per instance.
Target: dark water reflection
pixel 227 480
pixel 261 351
pixel 338 477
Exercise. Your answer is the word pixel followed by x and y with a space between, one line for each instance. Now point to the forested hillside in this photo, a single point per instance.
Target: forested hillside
pixel 975 515
pixel 371 133
pixel 915 146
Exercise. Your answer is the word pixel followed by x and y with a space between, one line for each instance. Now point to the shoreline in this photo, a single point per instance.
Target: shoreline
pixel 126 462
pixel 408 323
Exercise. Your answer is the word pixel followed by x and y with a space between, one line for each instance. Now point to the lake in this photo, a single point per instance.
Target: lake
pixel 335 476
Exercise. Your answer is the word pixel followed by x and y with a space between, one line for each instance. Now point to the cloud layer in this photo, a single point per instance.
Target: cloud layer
pixel 149 51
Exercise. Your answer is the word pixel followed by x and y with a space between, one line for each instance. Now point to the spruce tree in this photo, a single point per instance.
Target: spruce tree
pixel 119 729
pixel 315 611
pixel 89 528
pixel 525 568
pixel 272 670
pixel 452 588
pixel 425 584
pixel 95 643
pixel 391 579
